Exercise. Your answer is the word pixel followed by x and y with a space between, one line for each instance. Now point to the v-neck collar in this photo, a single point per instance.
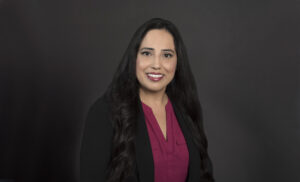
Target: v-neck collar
pixel 155 124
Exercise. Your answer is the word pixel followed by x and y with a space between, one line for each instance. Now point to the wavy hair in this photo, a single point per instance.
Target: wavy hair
pixel 123 94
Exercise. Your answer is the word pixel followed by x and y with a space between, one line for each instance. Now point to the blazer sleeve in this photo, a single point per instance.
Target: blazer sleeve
pixel 96 143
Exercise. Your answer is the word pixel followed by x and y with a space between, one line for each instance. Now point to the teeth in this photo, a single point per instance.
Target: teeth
pixel 155 76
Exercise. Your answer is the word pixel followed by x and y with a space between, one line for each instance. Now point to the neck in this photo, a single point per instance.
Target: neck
pixel 155 99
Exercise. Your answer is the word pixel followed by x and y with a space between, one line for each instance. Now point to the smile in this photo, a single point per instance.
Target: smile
pixel 155 77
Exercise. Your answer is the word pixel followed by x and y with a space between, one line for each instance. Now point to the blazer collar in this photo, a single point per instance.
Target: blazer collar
pixel 144 158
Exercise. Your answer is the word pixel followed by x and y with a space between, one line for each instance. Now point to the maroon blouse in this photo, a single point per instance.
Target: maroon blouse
pixel 171 157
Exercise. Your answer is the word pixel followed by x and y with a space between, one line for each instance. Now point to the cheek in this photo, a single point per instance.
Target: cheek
pixel 171 67
pixel 139 67
pixel 174 66
pixel 141 64
pixel 138 64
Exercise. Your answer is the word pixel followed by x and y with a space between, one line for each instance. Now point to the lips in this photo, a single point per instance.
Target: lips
pixel 155 76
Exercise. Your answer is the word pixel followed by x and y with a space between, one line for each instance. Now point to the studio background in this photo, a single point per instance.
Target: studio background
pixel 58 57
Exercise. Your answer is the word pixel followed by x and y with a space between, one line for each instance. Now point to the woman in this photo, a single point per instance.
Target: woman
pixel 148 125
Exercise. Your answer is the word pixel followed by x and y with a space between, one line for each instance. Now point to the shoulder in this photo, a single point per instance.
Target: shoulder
pixel 100 105
pixel 98 122
pixel 98 112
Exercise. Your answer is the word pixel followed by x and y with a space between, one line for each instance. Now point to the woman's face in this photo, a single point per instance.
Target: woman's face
pixel 156 60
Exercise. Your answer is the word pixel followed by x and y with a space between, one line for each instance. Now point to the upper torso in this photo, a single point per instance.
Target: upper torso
pixel 170 152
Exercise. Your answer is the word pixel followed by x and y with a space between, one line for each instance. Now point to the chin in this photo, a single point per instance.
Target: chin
pixel 152 89
pixel 156 89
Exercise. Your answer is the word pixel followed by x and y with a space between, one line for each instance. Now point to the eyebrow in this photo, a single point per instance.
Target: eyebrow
pixel 169 50
pixel 148 48
pixel 166 50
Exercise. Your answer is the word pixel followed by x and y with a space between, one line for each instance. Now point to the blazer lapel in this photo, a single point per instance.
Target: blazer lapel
pixel 194 157
pixel 144 158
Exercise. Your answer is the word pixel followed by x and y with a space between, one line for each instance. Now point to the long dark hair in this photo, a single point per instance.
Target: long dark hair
pixel 123 94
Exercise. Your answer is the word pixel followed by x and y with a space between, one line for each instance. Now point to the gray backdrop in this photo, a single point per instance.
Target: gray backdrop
pixel 57 57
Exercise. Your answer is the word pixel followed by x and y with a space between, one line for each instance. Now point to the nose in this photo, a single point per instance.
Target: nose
pixel 156 63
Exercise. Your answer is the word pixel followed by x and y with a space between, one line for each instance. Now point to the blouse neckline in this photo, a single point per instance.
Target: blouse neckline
pixel 150 113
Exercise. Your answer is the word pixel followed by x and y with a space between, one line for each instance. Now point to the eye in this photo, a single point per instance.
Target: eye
pixel 146 53
pixel 168 55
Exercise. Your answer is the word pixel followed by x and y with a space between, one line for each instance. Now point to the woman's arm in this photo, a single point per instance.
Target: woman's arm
pixel 96 143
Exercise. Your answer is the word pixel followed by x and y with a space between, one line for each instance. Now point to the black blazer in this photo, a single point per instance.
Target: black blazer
pixel 96 144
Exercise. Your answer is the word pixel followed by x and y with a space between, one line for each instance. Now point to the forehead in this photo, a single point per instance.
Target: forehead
pixel 158 39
